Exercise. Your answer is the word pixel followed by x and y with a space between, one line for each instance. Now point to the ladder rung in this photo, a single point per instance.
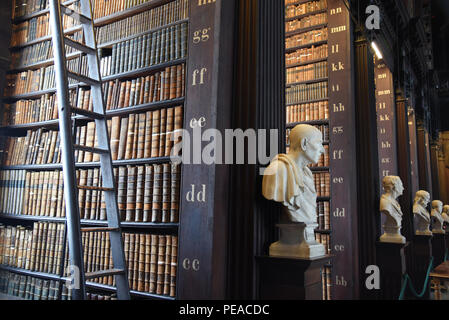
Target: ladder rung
pixel 79 46
pixel 70 2
pixel 95 188
pixel 83 79
pixel 103 273
pixel 89 114
pixel 75 15
pixel 99 229
pixel 90 149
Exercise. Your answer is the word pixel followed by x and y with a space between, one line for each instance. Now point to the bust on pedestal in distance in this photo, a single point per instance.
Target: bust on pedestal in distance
pixel 445 214
pixel 421 215
pixel 436 217
pixel 289 181
pixel 391 208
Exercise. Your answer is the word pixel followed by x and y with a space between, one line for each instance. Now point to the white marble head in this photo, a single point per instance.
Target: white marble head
pixel 307 141
pixel 422 198
pixel 446 209
pixel 393 185
pixel 437 205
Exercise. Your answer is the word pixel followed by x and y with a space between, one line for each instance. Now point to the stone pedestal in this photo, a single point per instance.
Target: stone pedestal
pixel 391 262
pixel 422 252
pixel 290 279
pixel 438 248
pixel 297 240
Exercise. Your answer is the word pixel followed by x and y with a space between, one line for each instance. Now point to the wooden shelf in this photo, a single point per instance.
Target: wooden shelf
pixel 322 199
pixel 308 45
pixel 311 122
pixel 36 274
pixel 91 285
pixel 320 169
pixel 307 101
pixel 305 63
pixel 146 295
pixel 322 231
pixel 304 15
pixel 306 29
pixel 307 82
pixel 93 223
pixel 87 165
pixel 41 64
pixel 4 296
pixel 67 31
pixel 109 114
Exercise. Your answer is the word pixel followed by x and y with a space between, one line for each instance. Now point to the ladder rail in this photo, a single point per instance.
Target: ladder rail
pixel 113 216
pixel 109 186
pixel 67 156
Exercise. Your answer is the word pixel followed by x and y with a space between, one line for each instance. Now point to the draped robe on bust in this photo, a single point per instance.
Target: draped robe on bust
pixel 393 208
pixel 292 186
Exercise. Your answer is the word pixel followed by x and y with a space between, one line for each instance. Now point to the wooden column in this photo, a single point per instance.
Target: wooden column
pixel 422 253
pixel 434 171
pixel 204 195
pixel 258 103
pixel 343 154
pixel 367 160
pixel 425 182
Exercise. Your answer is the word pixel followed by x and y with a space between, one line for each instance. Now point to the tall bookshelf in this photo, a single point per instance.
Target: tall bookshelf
pixel 318 92
pixel 143 49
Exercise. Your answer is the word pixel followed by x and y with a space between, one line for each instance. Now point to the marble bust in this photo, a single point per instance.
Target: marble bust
pixel 390 207
pixel 445 214
pixel 290 182
pixel 421 215
pixel 436 217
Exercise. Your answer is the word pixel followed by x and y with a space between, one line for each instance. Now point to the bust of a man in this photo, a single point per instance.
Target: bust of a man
pixel 288 179
pixel 422 216
pixel 445 214
pixel 390 207
pixel 437 218
pixel 290 182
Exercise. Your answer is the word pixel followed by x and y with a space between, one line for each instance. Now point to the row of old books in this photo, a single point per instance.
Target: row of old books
pixel 157 17
pixel 39 52
pixel 147 193
pixel 137 136
pixel 323 213
pixel 160 86
pixel 39 27
pixel 306 54
pixel 306 22
pixel 322 184
pixel 32 288
pixel 303 93
pixel 39 193
pixel 306 73
pixel 162 46
pixel 324 239
pixel 308 112
pixel 324 129
pixel 25 7
pixel 35 28
pixel 293 8
pixel 306 38
pixel 39 249
pixel 151 260
pixel 326 282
